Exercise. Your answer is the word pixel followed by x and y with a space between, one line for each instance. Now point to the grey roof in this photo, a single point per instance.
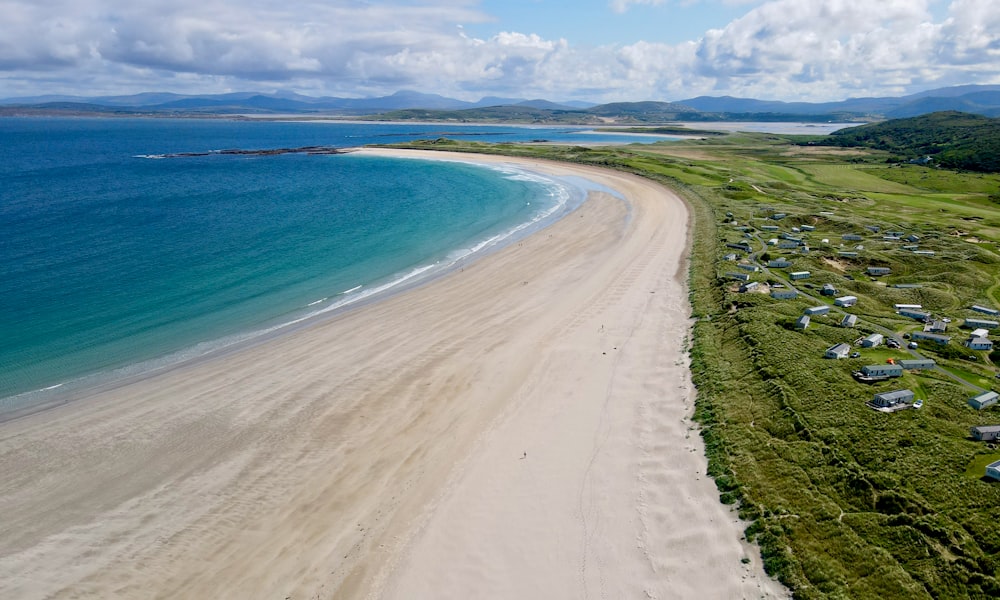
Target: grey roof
pixel 895 395
pixel 986 428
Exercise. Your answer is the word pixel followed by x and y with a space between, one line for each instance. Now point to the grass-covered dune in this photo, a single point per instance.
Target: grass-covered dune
pixel 844 501
pixel 950 139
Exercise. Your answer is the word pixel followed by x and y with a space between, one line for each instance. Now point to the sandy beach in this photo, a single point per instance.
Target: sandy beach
pixel 520 428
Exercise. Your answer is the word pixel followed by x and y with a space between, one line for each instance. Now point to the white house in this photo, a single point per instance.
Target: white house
pixel 993 470
pixel 817 310
pixel 980 324
pixel 985 433
pixel 983 400
pixel 838 351
pixel 893 398
pixel 978 343
pixel 799 275
pixel 849 321
pixel 846 301
pixel 873 340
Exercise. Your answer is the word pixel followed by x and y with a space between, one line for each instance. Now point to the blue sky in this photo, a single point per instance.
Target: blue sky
pixel 597 50
pixel 597 22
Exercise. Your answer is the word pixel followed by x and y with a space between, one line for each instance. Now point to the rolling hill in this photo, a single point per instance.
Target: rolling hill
pixel 951 139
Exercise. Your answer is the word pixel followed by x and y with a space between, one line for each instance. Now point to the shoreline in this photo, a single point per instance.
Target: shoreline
pixel 74 389
pixel 378 453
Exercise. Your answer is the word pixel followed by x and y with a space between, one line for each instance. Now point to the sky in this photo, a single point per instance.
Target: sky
pixel 594 50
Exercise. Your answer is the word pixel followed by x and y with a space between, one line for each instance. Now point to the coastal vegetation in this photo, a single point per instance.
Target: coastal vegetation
pixel 844 501
pixel 953 140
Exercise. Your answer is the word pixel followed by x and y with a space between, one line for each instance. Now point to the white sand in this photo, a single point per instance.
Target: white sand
pixel 381 453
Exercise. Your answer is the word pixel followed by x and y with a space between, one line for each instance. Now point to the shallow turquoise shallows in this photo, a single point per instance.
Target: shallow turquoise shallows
pixel 111 257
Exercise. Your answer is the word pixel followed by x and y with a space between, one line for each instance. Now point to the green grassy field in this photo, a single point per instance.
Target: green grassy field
pixel 844 501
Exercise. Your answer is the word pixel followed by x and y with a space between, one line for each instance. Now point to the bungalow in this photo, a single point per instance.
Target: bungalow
pixel 907 286
pixel 895 398
pixel 790 237
pixel 749 286
pixel 877 271
pixel 980 333
pixel 985 310
pixel 993 470
pixel 838 351
pixel 917 364
pixel 882 371
pixel 799 275
pixel 748 267
pixel 978 343
pixel 911 248
pixel 772 242
pixel 803 322
pixel 779 263
pixel 817 310
pixel 778 216
pixel 796 230
pixel 787 245
pixel 784 294
pixel 895 233
pixel 944 340
pixel 912 238
pixel 873 340
pixel 983 400
pixel 730 257
pixel 828 290
pixel 986 433
pixel 938 326
pixel 740 246
pixel 738 276
pixel 900 306
pixel 845 301
pixel 873 228
pixel 769 227
pixel 807 228
pixel 847 254
pixel 849 321
pixel 890 238
pixel 914 314
pixel 851 237
pixel 977 323
pixel 924 252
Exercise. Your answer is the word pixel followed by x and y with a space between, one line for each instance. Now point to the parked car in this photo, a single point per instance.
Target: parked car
pixel 912 345
pixel 855 355
pixel 892 344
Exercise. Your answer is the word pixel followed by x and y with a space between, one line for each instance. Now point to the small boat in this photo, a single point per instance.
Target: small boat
pixel 918 404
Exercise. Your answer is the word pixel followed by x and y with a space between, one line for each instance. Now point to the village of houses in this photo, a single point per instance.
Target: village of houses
pixel 764 262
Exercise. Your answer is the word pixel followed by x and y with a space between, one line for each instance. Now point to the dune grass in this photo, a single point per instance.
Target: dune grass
pixel 844 501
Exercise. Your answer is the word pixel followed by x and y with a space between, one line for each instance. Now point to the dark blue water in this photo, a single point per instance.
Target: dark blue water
pixel 109 260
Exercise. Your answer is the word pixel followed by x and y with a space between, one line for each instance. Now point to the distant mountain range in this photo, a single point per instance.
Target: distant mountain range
pixel 409 105
pixel 976 99
pixel 257 103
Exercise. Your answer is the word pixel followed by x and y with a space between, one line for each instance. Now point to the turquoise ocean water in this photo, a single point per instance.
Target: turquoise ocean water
pixel 112 262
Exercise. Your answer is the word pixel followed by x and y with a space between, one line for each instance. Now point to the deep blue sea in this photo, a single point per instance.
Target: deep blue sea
pixel 112 262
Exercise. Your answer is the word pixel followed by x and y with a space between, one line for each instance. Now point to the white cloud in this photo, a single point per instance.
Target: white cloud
pixel 782 49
